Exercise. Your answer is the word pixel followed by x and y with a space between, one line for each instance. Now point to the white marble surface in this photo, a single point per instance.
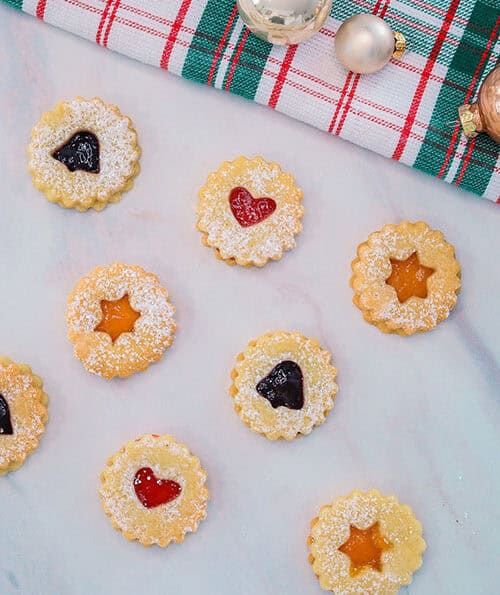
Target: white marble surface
pixel 417 417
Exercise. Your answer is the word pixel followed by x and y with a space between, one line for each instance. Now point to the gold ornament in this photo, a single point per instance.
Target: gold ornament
pixel 399 45
pixel 484 114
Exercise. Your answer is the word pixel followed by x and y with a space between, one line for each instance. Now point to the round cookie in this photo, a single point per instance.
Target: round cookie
pixel 120 320
pixel 365 543
pixel 406 278
pixel 283 385
pixel 249 212
pixel 83 154
pixel 153 489
pixel 23 413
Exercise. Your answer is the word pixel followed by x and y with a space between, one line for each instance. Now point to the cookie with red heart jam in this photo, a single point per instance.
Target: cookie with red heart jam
pixel 249 212
pixel 83 154
pixel 283 385
pixel 153 490
pixel 23 413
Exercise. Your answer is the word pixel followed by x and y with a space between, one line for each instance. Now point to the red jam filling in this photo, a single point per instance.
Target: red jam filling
pixel 152 491
pixel 248 210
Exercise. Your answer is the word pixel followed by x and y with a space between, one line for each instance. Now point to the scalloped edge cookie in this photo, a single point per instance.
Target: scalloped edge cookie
pixel 258 359
pixel 29 424
pixel 165 523
pixel 259 243
pixel 331 529
pixel 133 351
pixel 79 189
pixel 379 302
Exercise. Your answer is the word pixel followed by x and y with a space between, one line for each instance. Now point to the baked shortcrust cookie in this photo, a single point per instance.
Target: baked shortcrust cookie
pixel 405 278
pixel 153 490
pixel 23 413
pixel 249 212
pixel 119 320
pixel 83 154
pixel 365 543
pixel 283 385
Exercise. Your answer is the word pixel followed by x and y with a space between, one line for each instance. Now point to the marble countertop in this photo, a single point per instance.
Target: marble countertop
pixel 417 417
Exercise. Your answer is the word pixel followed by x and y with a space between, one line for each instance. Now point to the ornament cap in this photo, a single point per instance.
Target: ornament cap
pixel 484 114
pixel 399 45
pixel 470 119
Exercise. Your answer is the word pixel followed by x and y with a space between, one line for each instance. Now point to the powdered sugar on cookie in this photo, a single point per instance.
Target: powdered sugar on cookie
pixel 258 360
pixel 256 244
pixel 119 154
pixel 153 331
pixel 167 459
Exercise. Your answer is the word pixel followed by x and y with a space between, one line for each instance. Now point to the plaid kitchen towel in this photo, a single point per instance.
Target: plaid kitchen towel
pixel 403 112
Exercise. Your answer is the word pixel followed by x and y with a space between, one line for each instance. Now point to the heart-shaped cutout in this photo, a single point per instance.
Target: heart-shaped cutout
pixel 152 491
pixel 283 386
pixel 248 210
pixel 5 421
pixel 80 151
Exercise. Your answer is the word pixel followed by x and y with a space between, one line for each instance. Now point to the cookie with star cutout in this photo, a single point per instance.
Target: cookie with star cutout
pixel 249 212
pixel 154 490
pixel 119 320
pixel 406 278
pixel 84 154
pixel 283 385
pixel 23 413
pixel 365 543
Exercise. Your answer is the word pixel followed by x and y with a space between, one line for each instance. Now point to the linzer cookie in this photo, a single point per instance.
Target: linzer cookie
pixel 249 212
pixel 23 413
pixel 283 385
pixel 406 278
pixel 84 154
pixel 365 543
pixel 153 489
pixel 120 320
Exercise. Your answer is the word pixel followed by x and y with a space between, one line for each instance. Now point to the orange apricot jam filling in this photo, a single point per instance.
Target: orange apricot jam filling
pixel 409 278
pixel 117 317
pixel 365 548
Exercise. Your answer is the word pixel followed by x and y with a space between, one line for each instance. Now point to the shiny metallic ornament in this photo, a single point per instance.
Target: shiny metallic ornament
pixel 484 114
pixel 284 22
pixel 365 43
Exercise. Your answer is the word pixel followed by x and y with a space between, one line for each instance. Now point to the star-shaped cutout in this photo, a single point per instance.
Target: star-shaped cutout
pixel 409 278
pixel 117 317
pixel 365 548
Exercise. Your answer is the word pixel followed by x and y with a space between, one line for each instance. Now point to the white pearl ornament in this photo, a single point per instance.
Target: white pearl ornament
pixel 284 22
pixel 365 43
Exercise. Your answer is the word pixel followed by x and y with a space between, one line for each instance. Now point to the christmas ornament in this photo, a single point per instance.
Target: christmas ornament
pixel 284 22
pixel 484 114
pixel 365 43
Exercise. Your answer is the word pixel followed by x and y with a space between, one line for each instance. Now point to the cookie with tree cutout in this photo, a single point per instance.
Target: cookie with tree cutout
pixel 283 385
pixel 84 154
pixel 23 413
